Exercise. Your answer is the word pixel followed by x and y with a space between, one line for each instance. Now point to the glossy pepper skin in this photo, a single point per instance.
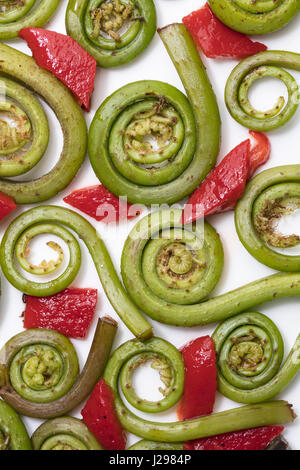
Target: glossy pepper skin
pixel 248 439
pixel 101 204
pixel 24 15
pixel 65 58
pixel 215 39
pixel 12 429
pixel 23 69
pixel 249 18
pixel 70 312
pixel 114 53
pixel 7 204
pixel 199 117
pixel 200 379
pixel 100 417
pixel 225 184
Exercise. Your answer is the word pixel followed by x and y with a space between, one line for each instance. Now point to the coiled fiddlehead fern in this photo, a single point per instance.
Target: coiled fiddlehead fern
pixel 249 349
pixel 134 353
pixel 64 433
pixel 152 445
pixel 13 434
pixel 187 134
pixel 269 196
pixel 44 219
pixel 147 271
pixel 113 32
pixel 263 64
pixel 255 17
pixel 23 144
pixel 39 370
pixel 16 14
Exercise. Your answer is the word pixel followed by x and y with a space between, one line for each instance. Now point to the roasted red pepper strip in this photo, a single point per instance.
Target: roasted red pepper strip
pixel 259 153
pixel 7 204
pixel 225 184
pixel 70 312
pixel 217 40
pixel 65 58
pixel 200 380
pixel 100 417
pixel 101 204
pixel 249 439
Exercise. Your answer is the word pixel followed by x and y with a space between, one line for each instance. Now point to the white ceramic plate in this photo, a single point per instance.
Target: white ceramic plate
pixel 240 268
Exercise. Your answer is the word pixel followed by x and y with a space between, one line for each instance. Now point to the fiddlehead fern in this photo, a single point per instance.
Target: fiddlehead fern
pixel 263 64
pixel 269 196
pixel 114 32
pixel 39 370
pixel 186 135
pixel 44 219
pixel 255 17
pixel 172 297
pixel 16 14
pixel 153 445
pixel 64 433
pixel 249 348
pixel 24 129
pixel 240 418
pixel 13 434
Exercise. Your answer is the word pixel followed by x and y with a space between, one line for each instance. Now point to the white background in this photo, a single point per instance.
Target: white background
pixel 240 268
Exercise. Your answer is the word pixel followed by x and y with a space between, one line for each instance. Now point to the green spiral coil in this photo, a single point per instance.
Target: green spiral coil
pixel 249 352
pixel 269 196
pixel 167 360
pixel 114 32
pixel 255 17
pixel 23 144
pixel 15 15
pixel 253 68
pixel 186 132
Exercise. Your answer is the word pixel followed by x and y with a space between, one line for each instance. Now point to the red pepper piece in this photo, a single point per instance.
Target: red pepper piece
pixel 225 184
pixel 200 381
pixel 7 204
pixel 65 58
pixel 70 312
pixel 100 417
pixel 248 439
pixel 101 204
pixel 260 153
pixel 217 40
